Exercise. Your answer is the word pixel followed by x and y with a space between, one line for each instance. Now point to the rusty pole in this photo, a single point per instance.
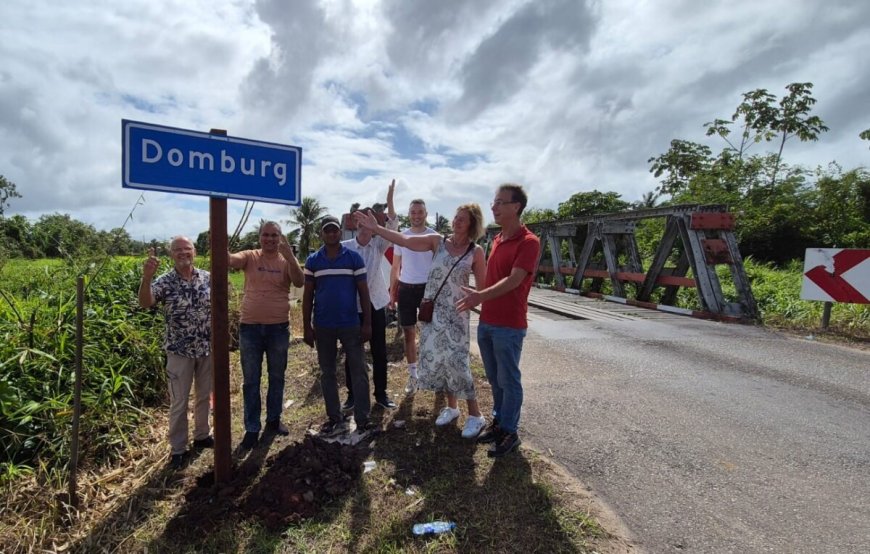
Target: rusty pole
pixel 77 394
pixel 220 333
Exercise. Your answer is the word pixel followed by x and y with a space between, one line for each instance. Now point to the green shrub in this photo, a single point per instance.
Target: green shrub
pixel 122 361
pixel 777 293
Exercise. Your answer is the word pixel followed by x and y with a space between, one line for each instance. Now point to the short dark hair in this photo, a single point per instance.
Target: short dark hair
pixel 517 194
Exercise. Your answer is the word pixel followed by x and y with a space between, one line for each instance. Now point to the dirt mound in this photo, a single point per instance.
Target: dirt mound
pixel 302 478
pixel 294 485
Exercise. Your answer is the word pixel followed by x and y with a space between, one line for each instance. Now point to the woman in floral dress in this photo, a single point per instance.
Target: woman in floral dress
pixel 444 359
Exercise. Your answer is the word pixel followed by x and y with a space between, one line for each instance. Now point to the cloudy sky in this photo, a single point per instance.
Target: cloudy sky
pixel 450 97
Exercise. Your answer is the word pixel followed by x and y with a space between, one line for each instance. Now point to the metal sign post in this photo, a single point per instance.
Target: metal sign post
pixel 220 335
pixel 212 164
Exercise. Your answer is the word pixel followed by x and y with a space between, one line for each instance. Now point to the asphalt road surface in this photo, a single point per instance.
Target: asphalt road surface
pixel 703 436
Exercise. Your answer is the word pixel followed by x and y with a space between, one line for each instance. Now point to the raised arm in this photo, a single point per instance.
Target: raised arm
pixel 149 268
pixel 420 243
pixel 391 208
pixel 296 275
pixel 236 261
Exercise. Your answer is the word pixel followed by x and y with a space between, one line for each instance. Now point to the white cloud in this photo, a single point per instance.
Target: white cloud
pixel 451 98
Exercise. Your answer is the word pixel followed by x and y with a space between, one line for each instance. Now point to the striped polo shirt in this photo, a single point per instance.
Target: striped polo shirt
pixel 335 287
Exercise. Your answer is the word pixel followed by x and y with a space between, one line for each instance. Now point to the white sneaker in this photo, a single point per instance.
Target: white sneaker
pixel 447 415
pixel 473 426
pixel 411 387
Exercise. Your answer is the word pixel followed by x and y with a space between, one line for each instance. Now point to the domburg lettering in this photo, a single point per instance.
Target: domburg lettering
pixel 182 161
pixel 152 153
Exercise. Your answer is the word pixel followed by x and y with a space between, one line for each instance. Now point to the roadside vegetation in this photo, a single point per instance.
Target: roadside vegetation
pixel 132 502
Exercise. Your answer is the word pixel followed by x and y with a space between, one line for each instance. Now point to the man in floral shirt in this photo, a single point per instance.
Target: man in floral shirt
pixel 185 294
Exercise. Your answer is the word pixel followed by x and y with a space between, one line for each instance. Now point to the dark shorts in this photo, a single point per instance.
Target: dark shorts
pixel 410 297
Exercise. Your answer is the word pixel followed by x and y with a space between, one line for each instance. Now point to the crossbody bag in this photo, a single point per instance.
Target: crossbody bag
pixel 427 307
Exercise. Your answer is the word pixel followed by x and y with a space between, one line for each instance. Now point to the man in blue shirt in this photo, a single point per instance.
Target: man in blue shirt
pixel 335 278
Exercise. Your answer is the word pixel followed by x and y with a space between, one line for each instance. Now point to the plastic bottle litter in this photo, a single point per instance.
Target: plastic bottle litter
pixel 433 527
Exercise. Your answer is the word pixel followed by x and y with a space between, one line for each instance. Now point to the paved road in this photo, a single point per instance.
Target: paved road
pixel 706 437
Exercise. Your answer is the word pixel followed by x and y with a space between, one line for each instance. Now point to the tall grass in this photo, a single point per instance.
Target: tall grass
pixel 122 362
pixel 777 293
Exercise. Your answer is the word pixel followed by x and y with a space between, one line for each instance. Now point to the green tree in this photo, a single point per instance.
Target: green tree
pixel 7 191
pixel 591 203
pixel 762 119
pixel 119 242
pixel 203 243
pixel 865 134
pixel 442 225
pixel 841 206
pixel 251 239
pixel 538 215
pixel 680 164
pixel 647 201
pixel 17 237
pixel 306 218
pixel 59 235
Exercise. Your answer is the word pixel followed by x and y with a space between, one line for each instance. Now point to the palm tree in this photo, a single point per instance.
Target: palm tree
pixel 648 200
pixel 442 225
pixel 306 217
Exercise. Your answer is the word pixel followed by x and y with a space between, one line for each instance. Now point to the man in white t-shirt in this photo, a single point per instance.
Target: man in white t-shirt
pixel 408 283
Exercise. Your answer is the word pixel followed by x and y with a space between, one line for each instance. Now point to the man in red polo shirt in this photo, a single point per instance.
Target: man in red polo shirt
pixel 510 269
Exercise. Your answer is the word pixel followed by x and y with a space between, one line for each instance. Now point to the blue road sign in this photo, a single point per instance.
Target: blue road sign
pixel 192 162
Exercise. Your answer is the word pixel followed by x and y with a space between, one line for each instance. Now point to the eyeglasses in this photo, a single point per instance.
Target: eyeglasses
pixel 500 203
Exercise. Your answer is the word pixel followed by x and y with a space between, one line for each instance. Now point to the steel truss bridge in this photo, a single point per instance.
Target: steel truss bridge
pixel 696 238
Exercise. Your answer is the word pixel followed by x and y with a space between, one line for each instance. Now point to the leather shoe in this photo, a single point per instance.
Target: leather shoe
pixel 385 402
pixel 207 442
pixel 508 443
pixel 176 461
pixel 250 440
pixel 277 427
pixel 492 434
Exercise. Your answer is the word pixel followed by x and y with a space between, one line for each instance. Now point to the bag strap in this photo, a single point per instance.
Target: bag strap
pixel 471 246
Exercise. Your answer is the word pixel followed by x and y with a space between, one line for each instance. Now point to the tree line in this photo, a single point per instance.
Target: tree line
pixel 781 209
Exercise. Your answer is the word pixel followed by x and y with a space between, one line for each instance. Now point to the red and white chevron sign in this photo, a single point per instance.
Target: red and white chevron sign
pixel 837 275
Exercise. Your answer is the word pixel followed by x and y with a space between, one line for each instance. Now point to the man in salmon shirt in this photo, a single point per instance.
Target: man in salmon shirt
pixel 510 270
pixel 265 326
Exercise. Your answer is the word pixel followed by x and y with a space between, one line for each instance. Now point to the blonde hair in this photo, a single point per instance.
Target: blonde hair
pixel 476 229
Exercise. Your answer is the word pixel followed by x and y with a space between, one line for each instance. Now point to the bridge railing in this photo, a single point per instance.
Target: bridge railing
pixel 698 237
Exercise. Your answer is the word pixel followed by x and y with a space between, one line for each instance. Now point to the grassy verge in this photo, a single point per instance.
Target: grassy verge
pixel 517 504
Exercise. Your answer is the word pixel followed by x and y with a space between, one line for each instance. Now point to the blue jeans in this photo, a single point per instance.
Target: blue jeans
pixel 500 348
pixel 273 340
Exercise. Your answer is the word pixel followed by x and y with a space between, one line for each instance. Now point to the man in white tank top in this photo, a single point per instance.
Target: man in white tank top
pixel 408 283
